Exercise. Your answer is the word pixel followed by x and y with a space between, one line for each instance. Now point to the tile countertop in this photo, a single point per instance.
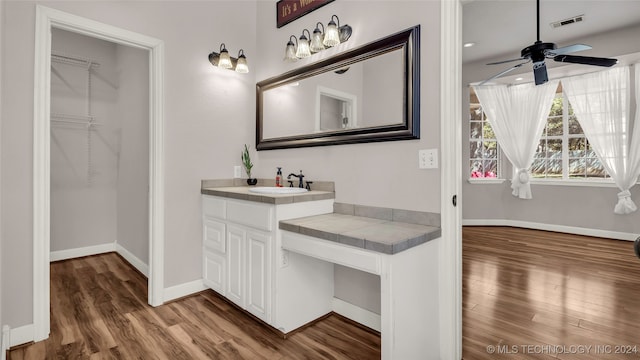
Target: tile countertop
pixel 384 236
pixel 234 189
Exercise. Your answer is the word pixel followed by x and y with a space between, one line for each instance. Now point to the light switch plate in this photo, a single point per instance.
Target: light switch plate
pixel 237 172
pixel 428 159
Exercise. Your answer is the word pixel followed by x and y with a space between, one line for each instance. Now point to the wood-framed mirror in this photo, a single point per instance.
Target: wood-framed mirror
pixel 369 93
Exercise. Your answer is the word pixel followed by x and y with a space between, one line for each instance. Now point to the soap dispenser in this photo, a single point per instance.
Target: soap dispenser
pixel 279 177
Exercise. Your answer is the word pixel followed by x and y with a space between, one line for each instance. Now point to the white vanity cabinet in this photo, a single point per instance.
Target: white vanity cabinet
pixel 242 256
pixel 248 275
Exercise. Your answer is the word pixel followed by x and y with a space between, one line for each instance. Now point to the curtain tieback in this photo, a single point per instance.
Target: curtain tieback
pixel 520 184
pixel 625 205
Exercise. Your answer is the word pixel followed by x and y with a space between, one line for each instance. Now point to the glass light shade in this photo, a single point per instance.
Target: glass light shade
pixel 241 65
pixel 303 48
pixel 316 41
pixel 290 52
pixel 331 36
pixel 224 61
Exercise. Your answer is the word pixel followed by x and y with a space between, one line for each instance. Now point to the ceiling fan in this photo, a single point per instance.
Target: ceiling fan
pixel 539 51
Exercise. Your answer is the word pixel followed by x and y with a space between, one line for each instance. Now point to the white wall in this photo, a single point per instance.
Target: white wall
pixel 83 163
pixel 376 174
pixel 209 114
pixel 581 207
pixel 133 160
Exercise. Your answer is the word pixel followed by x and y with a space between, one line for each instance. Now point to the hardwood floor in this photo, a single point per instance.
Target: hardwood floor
pixel 99 311
pixel 540 295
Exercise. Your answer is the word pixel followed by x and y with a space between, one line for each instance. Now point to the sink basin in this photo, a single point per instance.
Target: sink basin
pixel 277 190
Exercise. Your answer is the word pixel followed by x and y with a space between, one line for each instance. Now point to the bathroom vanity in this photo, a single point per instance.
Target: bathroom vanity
pixel 273 255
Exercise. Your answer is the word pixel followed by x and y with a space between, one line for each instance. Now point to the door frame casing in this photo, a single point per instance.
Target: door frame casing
pixel 46 19
pixel 451 179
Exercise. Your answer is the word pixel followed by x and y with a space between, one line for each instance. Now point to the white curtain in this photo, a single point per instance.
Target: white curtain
pixel 601 103
pixel 518 115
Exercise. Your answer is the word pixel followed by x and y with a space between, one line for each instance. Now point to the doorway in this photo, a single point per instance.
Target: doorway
pixel 46 20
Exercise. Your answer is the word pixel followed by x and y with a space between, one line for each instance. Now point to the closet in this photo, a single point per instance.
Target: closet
pixel 99 148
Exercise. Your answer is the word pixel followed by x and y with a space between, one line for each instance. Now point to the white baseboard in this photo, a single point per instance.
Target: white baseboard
pixel 20 335
pixel 178 291
pixel 83 251
pixel 551 227
pixel 133 260
pixel 357 314
pixel 6 339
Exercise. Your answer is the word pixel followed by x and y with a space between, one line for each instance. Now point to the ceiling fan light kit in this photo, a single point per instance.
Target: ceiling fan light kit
pixel 539 51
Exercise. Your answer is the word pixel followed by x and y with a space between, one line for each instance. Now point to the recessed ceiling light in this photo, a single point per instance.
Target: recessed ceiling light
pixel 469 44
pixel 519 79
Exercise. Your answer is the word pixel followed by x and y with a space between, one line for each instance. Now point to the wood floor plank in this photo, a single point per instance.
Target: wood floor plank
pixel 528 287
pixel 99 311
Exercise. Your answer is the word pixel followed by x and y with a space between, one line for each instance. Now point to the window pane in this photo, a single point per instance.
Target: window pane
pixel 556 107
pixel 487 131
pixel 476 169
pixel 554 148
pixel 490 169
pixel 576 147
pixel 475 150
pixel 554 126
pixel 554 166
pixel 576 168
pixel 595 168
pixel 475 129
pixel 490 149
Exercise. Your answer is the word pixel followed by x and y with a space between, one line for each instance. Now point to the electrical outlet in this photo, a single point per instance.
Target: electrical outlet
pixel 285 258
pixel 237 172
pixel 428 159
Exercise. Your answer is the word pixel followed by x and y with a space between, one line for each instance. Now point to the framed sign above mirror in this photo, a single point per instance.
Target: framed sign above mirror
pixel 370 93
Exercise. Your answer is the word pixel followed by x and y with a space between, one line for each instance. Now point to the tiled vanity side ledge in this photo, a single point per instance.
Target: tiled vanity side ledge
pixel 383 230
pixel 238 189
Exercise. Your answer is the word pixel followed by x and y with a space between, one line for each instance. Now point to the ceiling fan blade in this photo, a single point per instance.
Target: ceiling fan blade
pixel 569 49
pixel 586 60
pixel 504 72
pixel 505 61
pixel 540 73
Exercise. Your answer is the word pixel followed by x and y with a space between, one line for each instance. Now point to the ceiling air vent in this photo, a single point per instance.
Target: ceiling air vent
pixel 565 22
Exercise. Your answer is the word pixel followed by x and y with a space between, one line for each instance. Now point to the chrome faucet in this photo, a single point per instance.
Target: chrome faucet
pixel 300 177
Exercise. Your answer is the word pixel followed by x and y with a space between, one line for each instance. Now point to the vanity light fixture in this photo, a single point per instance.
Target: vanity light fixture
pixel 316 39
pixel 303 50
pixel 290 51
pixel 225 61
pixel 304 46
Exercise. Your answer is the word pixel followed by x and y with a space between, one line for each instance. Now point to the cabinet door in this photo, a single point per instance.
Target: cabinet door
pixel 214 270
pixel 214 235
pixel 235 268
pixel 258 274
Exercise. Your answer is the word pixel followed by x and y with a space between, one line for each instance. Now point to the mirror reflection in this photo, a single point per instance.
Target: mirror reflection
pixel 367 94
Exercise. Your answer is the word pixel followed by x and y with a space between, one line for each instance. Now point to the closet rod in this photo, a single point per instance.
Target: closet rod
pixel 74 119
pixel 73 60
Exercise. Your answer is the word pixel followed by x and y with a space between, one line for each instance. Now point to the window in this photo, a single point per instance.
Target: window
pixel 483 155
pixel 564 152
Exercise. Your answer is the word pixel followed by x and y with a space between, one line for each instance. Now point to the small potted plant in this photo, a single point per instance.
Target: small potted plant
pixel 246 162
